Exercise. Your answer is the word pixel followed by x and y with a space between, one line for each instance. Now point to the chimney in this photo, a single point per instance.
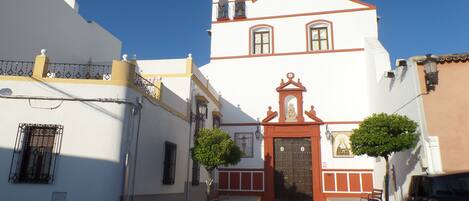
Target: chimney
pixel 73 4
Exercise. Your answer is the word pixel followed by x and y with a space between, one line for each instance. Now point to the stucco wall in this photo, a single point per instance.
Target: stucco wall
pixel 157 127
pixel 290 34
pixel 91 161
pixel 446 111
pixel 335 81
pixel 263 8
pixel 399 95
pixel 29 26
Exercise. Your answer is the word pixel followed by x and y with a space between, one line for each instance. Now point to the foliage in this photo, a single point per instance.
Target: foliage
pixel 383 134
pixel 214 147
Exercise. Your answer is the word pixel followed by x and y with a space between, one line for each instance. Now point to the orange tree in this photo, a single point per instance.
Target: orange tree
pixel 214 148
pixel 381 135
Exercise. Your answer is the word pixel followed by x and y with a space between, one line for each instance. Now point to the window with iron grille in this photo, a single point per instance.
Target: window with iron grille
pixel 261 41
pixel 169 173
pixel 319 38
pixel 35 155
pixel 223 10
pixel 240 9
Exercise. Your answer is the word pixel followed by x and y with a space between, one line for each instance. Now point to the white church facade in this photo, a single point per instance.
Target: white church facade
pixel 289 81
pixel 296 82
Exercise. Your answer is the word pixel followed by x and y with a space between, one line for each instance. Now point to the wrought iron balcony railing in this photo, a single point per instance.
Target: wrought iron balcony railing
pixel 79 71
pixel 16 68
pixel 147 86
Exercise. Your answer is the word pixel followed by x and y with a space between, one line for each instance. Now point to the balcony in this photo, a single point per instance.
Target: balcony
pixel 115 73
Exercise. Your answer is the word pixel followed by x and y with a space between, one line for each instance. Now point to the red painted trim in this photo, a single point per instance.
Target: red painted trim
pixel 348 170
pixel 339 195
pixel 232 1
pixel 240 193
pixel 355 1
pixel 306 123
pixel 308 39
pixel 240 17
pixel 298 15
pixel 240 124
pixel 363 3
pixel 241 169
pixel 343 122
pixel 299 131
pixel 272 39
pixel 223 19
pixel 289 53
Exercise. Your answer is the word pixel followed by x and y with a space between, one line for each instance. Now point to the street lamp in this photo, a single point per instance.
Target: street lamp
pixel 258 133
pixel 202 110
pixel 328 132
pixel 431 72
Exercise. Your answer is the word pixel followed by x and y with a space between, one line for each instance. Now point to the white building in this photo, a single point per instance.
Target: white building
pixel 296 77
pixel 29 26
pixel 76 127
pixel 331 46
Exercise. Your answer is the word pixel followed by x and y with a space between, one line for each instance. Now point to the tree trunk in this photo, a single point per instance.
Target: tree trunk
pixel 209 183
pixel 386 180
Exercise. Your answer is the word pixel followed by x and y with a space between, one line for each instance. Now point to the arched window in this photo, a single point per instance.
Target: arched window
pixel 320 36
pixel 261 39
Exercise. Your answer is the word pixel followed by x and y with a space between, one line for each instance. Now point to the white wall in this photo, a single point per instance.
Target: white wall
pixel 290 34
pixel 157 127
pixel 91 161
pixel 267 8
pixel 29 26
pixel 336 82
pixel 179 87
pixel 400 95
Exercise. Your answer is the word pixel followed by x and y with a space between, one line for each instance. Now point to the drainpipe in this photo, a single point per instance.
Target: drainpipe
pixel 191 93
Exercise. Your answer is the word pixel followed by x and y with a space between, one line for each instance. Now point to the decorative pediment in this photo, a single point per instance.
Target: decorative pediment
pixel 312 114
pixel 270 115
pixel 291 103
pixel 291 84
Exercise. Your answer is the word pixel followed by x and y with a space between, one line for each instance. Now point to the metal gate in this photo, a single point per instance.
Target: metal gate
pixel 293 167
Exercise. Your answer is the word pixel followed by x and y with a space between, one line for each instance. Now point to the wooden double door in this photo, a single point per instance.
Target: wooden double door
pixel 293 169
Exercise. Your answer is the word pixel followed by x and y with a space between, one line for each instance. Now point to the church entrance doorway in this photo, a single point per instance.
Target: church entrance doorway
pixel 293 169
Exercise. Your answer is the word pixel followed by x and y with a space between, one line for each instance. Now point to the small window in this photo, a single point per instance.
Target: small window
pixel 35 154
pixel 240 9
pixel 223 10
pixel 245 142
pixel 169 163
pixel 319 36
pixel 261 41
pixel 216 122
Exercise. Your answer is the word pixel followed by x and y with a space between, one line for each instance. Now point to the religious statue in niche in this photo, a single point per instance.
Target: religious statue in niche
pixel 291 113
pixel 290 109
pixel 341 144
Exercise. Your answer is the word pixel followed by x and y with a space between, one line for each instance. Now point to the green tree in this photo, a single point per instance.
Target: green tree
pixel 214 148
pixel 381 135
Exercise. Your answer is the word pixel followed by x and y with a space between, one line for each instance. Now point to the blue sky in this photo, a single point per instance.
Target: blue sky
pixel 155 29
